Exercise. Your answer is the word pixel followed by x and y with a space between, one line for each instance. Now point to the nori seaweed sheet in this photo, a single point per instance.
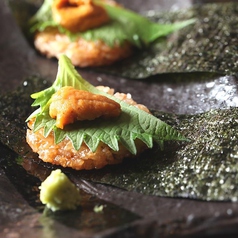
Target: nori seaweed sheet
pixel 208 45
pixel 203 168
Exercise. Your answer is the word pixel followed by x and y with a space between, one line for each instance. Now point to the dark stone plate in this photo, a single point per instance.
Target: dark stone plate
pixel 125 214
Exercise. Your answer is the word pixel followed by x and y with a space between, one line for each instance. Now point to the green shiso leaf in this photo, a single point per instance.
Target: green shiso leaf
pixel 132 123
pixel 125 25
pixel 139 30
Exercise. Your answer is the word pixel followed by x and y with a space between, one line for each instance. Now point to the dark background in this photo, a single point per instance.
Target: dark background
pixel 152 216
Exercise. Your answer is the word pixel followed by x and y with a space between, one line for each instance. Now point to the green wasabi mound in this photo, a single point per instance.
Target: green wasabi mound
pixel 57 192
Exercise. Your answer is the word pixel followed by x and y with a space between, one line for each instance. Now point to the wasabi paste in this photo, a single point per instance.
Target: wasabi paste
pixel 58 192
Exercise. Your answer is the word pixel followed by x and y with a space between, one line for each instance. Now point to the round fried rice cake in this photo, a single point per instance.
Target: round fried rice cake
pixel 64 153
pixel 81 52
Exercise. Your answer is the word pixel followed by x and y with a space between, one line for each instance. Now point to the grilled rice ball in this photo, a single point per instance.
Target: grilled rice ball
pixel 64 153
pixel 83 53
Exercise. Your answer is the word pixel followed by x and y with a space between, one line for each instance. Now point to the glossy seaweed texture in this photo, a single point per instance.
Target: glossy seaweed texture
pixel 208 45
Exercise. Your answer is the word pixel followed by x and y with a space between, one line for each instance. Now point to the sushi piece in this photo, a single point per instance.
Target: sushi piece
pixel 85 127
pixel 93 33
pixel 79 16
pixel 64 153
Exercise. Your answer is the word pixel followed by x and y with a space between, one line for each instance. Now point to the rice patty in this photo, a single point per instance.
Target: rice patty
pixel 83 53
pixel 64 153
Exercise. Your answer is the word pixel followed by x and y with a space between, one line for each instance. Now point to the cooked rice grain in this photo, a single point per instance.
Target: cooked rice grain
pixel 81 52
pixel 65 155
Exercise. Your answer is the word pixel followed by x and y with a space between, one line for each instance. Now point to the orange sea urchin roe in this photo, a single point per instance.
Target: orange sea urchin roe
pixel 78 15
pixel 69 105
